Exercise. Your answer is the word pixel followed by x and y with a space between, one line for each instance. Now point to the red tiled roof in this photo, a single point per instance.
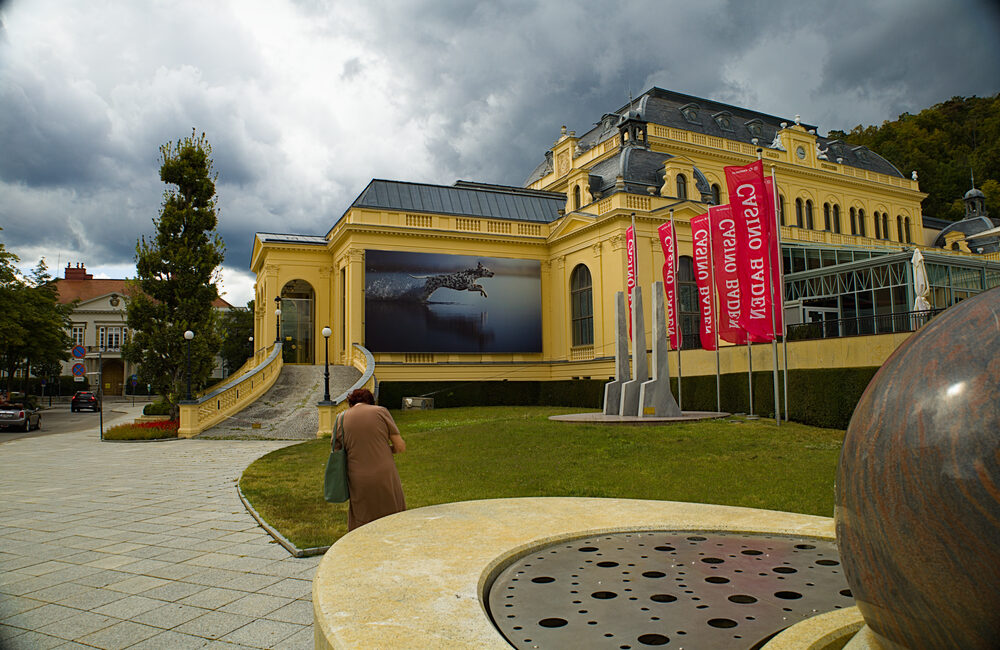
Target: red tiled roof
pixel 84 290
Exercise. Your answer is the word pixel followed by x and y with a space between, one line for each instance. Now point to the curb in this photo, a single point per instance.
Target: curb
pixel 278 537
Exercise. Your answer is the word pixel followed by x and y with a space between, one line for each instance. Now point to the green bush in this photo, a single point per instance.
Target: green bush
pixel 584 393
pixel 158 407
pixel 824 398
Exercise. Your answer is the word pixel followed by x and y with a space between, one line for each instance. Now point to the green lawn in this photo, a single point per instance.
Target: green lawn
pixel 489 452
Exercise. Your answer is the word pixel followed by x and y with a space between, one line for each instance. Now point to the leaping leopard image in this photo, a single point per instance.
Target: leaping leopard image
pixel 459 281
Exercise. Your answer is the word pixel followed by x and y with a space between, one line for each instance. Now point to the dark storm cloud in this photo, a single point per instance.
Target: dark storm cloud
pixel 304 101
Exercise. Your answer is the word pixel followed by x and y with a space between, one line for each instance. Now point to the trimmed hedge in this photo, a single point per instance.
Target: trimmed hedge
pixel 156 408
pixel 823 398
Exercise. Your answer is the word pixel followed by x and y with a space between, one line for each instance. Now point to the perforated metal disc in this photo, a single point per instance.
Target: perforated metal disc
pixel 668 589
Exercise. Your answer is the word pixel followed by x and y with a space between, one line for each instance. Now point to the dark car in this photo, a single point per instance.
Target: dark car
pixel 21 416
pixel 85 399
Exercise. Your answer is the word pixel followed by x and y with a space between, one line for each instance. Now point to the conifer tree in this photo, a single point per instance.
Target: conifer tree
pixel 177 271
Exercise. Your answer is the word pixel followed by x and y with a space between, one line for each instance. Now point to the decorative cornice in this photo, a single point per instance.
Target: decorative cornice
pixel 617 241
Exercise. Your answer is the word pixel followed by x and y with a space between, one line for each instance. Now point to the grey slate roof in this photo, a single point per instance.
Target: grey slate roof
pixel 464 198
pixel 664 107
pixel 279 238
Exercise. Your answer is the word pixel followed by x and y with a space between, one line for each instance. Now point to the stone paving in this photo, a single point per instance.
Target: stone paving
pixel 141 545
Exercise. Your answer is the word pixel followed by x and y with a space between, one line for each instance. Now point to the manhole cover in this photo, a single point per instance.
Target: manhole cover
pixel 670 589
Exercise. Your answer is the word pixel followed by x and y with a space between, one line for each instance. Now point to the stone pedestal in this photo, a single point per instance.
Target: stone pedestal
pixel 613 389
pixel 655 398
pixel 640 371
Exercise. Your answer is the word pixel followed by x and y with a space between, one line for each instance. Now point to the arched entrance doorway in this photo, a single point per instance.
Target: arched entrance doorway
pixel 297 301
pixel 113 377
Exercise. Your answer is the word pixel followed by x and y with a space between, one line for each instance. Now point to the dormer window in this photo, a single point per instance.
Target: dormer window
pixel 861 153
pixel 756 128
pixel 690 113
pixel 724 120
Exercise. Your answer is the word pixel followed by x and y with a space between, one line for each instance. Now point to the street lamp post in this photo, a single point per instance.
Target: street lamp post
pixel 100 383
pixel 277 319
pixel 253 353
pixel 188 335
pixel 326 364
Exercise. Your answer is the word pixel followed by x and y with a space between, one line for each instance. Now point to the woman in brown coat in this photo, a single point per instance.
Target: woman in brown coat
pixel 371 438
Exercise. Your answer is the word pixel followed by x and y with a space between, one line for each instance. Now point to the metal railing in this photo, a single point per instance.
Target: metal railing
pixel 894 323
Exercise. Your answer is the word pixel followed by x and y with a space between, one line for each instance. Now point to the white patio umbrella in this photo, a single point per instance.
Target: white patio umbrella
pixel 921 284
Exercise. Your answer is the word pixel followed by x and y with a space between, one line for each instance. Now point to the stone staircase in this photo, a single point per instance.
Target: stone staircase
pixel 288 410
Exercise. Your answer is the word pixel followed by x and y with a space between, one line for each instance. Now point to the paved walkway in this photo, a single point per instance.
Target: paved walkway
pixel 287 410
pixel 141 545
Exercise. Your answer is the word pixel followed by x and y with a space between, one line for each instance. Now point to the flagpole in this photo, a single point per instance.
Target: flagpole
pixel 749 373
pixel 781 290
pixel 715 315
pixel 677 321
pixel 774 328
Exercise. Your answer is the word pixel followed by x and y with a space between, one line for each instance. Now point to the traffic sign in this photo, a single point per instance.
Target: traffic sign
pixel 79 352
pixel 79 370
pixel 135 380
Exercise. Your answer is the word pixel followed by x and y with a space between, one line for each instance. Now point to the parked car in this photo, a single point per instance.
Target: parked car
pixel 85 399
pixel 20 415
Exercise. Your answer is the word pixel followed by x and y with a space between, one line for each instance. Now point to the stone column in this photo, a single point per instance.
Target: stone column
pixel 640 371
pixel 613 389
pixel 655 398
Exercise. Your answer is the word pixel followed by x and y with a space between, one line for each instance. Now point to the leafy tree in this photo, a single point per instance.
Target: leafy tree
pixel 237 328
pixel 177 271
pixel 33 325
pixel 944 144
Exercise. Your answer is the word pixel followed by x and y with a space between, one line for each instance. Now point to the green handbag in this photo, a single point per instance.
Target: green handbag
pixel 335 488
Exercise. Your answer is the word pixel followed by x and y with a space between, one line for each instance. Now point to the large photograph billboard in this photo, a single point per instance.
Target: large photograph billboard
pixel 434 302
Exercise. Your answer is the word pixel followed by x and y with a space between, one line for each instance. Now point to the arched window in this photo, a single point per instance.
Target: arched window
pixel 827 225
pixel 899 228
pixel 582 301
pixel 906 230
pixel 861 222
pixel 798 213
pixel 809 214
pixel 885 225
pixel 878 225
pixel 836 218
pixel 781 208
pixel 716 194
pixel 576 197
pixel 682 186
pixel 854 221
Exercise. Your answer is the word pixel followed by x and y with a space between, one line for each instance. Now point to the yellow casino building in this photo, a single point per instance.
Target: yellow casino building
pixel 474 281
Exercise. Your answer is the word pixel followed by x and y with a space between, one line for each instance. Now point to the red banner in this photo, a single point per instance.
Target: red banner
pixel 749 209
pixel 668 239
pixel 727 281
pixel 630 277
pixel 774 252
pixel 700 242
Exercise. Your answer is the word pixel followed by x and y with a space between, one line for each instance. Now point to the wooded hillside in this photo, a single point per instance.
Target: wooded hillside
pixel 943 144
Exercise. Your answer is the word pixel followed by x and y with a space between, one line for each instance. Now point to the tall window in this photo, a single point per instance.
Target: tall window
pixel 682 186
pixel 582 302
pixel 899 228
pixel 827 224
pixel 861 222
pixel 906 230
pixel 78 331
pixel 781 208
pixel 716 194
pixel 687 296
pixel 798 213
pixel 576 197
pixel 809 214
pixel 110 338
pixel 836 218
pixel 878 225
pixel 885 225
pixel 854 221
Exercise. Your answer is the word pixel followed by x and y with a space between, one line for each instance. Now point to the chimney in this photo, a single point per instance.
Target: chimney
pixel 79 272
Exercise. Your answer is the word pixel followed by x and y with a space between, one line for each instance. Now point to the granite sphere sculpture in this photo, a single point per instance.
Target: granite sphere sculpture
pixel 918 486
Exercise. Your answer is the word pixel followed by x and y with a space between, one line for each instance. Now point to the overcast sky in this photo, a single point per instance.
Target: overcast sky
pixel 305 102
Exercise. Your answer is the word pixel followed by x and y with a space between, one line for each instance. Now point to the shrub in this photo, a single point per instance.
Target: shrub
pixel 143 431
pixel 156 408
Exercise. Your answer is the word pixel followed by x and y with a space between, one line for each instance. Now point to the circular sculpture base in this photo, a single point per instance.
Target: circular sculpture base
pixel 701 589
pixel 918 486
